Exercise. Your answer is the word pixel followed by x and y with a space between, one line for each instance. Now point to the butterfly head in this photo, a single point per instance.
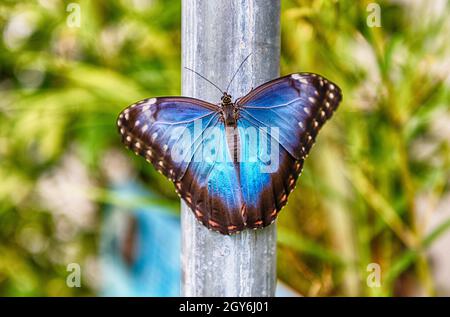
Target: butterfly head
pixel 229 113
pixel 226 98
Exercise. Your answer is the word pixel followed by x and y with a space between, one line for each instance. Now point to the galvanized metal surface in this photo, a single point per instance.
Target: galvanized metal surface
pixel 216 36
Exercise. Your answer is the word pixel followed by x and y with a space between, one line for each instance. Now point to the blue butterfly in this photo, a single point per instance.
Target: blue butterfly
pixel 234 163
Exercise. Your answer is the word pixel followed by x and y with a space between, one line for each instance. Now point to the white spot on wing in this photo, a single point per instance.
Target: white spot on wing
pixel 299 78
pixel 303 80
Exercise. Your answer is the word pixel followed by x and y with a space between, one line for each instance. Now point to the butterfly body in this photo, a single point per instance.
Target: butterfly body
pixel 234 163
pixel 229 111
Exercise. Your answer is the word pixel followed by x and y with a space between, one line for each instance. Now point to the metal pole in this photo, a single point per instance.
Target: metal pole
pixel 216 36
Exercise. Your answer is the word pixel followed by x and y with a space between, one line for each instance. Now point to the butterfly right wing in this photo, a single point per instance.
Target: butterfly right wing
pixel 298 104
pixel 290 110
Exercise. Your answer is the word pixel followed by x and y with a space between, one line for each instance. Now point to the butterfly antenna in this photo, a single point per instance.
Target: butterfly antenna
pixel 221 90
pixel 235 73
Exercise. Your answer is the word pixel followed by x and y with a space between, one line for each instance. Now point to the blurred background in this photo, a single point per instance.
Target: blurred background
pixel 370 215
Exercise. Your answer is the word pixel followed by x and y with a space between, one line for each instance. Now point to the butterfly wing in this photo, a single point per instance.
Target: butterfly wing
pixel 184 139
pixel 292 109
pixel 212 184
pixel 267 174
pixel 299 104
pixel 161 130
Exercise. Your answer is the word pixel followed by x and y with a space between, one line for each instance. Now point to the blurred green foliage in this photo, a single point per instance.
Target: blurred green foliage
pixel 357 202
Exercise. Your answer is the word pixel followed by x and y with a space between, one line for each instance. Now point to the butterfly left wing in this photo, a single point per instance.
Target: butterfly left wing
pixel 160 130
pixel 296 107
pixel 184 139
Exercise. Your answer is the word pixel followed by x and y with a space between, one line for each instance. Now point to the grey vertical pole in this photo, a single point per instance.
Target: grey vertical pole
pixel 216 36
